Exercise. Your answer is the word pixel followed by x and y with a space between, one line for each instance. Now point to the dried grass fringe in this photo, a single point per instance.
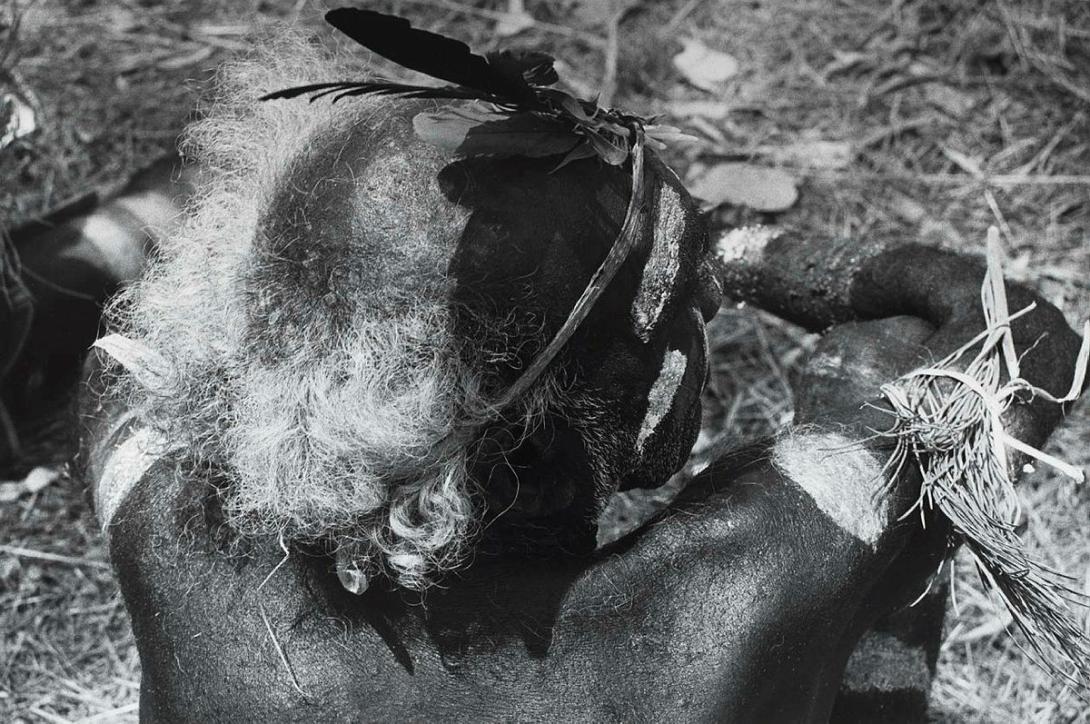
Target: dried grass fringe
pixel 949 425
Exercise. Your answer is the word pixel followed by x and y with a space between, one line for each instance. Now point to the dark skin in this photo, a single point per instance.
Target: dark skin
pixel 741 602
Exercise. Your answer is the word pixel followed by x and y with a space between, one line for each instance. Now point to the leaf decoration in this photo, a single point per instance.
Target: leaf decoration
pixel 581 151
pixel 471 132
pixel 703 67
pixel 611 148
pixel 662 136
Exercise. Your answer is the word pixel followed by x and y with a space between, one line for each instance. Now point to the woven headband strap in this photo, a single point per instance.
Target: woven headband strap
pixel 618 253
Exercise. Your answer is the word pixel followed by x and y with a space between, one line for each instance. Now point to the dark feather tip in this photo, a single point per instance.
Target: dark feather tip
pixel 436 55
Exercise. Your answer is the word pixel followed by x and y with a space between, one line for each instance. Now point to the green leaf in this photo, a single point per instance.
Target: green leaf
pixel 475 132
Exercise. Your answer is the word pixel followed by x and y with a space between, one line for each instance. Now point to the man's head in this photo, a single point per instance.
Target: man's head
pixel 347 304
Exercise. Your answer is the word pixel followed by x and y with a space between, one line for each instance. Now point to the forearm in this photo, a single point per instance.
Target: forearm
pixel 823 282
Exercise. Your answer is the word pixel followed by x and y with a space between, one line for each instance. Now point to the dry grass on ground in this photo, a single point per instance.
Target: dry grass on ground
pixel 958 115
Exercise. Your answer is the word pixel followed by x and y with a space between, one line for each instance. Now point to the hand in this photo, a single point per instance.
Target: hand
pixel 943 289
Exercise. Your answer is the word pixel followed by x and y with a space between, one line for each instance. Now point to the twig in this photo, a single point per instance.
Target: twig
pixel 888 132
pixel 983 631
pixel 609 76
pixel 112 714
pixel 19 552
pixel 48 716
pixel 954 178
pixel 280 651
pixel 679 17
pixel 989 197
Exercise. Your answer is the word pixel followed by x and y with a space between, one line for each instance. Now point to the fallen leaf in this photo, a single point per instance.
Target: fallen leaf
pixel 703 67
pixel 966 163
pixel 907 208
pixel 742 184
pixel 515 20
pixel 811 154
pixel 952 101
pixel 35 481
pixel 39 478
pixel 598 12
pixel 714 110
pixel 17 119
pixel 185 60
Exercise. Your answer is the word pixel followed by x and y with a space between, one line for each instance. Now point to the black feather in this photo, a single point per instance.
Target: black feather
pixel 357 88
pixel 436 55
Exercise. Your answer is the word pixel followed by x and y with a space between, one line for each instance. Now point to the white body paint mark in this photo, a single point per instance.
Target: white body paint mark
pixel 882 662
pixel 125 465
pixel 842 477
pixel 661 396
pixel 746 244
pixel 663 261
pixel 113 239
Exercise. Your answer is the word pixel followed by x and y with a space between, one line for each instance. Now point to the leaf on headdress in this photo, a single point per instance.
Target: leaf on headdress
pixel 568 103
pixel 583 150
pixel 477 132
pixel 661 136
pixel 611 149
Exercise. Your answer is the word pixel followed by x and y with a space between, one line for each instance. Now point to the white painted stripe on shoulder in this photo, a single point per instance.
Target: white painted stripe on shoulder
pixel 125 465
pixel 841 476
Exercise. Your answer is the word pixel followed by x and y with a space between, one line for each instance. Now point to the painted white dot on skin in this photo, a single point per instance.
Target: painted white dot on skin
pixel 746 244
pixel 661 397
pixel 841 476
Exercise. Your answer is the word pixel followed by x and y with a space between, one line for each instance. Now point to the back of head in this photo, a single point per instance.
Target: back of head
pixel 346 305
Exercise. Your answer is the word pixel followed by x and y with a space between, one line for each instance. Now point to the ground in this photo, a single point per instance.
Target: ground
pixel 954 115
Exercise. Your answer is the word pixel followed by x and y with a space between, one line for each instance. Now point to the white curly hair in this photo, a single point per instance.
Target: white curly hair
pixel 362 437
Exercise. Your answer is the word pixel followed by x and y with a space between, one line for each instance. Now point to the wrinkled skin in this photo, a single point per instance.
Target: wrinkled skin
pixel 741 602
